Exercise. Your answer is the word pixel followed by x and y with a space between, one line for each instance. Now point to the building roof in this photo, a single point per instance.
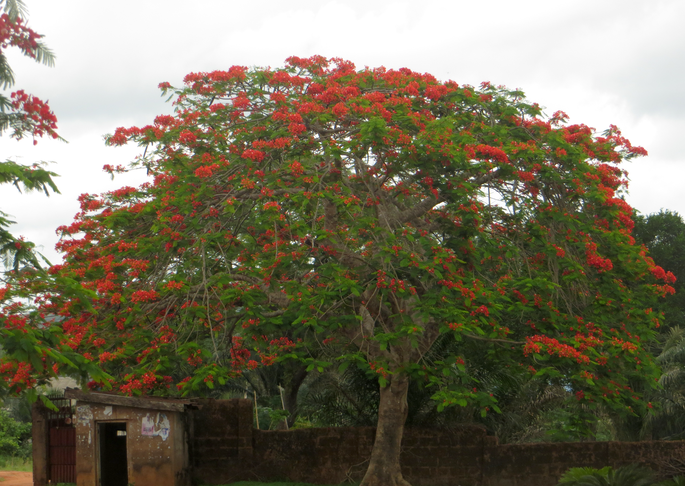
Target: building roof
pixel 105 398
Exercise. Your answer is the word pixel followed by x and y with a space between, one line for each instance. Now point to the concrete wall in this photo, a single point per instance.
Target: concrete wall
pixel 159 459
pixel 39 444
pixel 225 448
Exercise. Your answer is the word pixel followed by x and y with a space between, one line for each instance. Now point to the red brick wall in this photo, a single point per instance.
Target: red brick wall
pixel 225 448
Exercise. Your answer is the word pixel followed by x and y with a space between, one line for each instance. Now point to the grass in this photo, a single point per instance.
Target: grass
pixel 10 463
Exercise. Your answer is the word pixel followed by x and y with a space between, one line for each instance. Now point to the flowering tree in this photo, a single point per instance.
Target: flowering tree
pixel 31 352
pixel 24 115
pixel 372 211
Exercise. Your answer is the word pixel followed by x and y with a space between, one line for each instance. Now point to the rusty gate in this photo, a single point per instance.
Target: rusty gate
pixel 61 442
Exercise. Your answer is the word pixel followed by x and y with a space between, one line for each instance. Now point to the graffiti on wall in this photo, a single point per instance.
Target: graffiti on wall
pixel 155 426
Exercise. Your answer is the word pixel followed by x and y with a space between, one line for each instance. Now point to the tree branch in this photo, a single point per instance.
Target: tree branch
pixel 492 340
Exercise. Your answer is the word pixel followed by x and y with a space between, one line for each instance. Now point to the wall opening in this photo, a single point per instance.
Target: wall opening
pixel 113 458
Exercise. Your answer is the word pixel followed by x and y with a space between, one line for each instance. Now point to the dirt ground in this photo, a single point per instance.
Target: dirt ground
pixel 14 478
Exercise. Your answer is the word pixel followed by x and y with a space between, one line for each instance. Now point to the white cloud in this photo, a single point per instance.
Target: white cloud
pixel 612 62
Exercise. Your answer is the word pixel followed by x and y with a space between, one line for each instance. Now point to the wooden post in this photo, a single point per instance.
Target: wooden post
pixel 256 413
pixel 280 391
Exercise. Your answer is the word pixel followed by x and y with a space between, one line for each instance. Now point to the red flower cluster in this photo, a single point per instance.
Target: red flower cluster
pixel 15 33
pixel 535 344
pixel 187 137
pixel 36 113
pixel 144 296
pixel 593 259
pixel 206 170
pixel 255 155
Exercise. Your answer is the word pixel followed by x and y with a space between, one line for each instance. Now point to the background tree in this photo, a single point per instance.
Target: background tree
pixel 667 423
pixel 663 234
pixel 331 216
pixel 532 408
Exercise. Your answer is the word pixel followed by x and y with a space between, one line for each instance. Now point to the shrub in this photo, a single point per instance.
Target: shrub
pixel 15 437
pixel 632 475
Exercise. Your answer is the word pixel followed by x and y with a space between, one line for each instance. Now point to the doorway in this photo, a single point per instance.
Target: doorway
pixel 113 458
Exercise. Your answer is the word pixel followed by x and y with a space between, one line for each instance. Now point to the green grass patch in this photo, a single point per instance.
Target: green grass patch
pixel 11 463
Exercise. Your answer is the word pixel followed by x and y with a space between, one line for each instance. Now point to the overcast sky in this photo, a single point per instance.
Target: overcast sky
pixel 603 62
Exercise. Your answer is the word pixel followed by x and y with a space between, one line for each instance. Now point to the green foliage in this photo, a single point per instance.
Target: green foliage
pixel 347 399
pixel 668 419
pixel 567 423
pixel 302 423
pixel 675 481
pixel 277 418
pixel 632 475
pixel 532 409
pixel 584 476
pixel 270 418
pixel 30 178
pixel 14 8
pixel 663 233
pixel 16 251
pixel 24 115
pixel 14 436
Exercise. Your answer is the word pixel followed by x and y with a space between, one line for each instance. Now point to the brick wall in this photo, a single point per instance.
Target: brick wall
pixel 220 435
pixel 224 448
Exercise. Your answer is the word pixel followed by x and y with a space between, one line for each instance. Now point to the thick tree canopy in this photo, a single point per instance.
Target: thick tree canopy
pixel 369 211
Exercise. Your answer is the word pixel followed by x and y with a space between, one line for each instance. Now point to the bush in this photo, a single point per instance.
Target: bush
pixel 15 437
pixel 632 475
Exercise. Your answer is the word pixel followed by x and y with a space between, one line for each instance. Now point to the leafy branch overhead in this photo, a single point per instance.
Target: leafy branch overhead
pixel 23 114
pixel 31 352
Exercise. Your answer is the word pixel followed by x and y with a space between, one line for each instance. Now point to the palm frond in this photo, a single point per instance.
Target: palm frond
pixel 6 75
pixel 5 103
pixel 672 377
pixel 674 345
pixel 585 476
pixel 15 9
pixel 43 54
pixel 30 178
pixel 631 475
pixel 675 481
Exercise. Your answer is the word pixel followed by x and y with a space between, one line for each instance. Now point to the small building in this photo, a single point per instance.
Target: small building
pixel 102 439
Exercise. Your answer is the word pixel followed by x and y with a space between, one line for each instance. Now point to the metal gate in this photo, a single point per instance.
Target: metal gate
pixel 61 442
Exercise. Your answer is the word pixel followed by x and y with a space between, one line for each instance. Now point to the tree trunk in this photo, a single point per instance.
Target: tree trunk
pixel 292 388
pixel 384 466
